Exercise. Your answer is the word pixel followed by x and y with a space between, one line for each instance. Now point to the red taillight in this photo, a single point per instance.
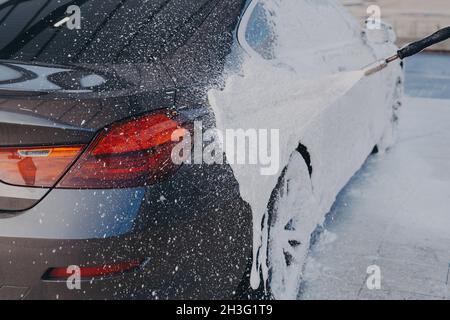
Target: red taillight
pixel 63 273
pixel 36 167
pixel 133 153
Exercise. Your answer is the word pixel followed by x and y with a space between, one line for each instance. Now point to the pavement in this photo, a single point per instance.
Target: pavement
pixel 428 76
pixel 395 212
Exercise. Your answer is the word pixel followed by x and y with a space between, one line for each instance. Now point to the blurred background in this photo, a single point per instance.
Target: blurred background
pixel 411 19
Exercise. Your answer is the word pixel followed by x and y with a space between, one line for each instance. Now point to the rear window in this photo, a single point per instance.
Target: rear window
pixel 96 31
pixel 259 33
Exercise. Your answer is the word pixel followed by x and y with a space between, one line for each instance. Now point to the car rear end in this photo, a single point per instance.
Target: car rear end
pixel 91 203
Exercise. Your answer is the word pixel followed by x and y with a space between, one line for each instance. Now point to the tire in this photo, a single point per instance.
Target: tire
pixel 292 218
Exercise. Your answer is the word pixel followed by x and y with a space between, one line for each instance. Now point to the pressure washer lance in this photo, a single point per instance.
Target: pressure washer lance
pixel 409 50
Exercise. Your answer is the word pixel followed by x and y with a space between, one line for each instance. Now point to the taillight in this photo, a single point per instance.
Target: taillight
pixel 132 153
pixel 36 167
pixel 87 273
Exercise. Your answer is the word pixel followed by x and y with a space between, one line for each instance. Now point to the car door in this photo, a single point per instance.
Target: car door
pixel 346 132
pixel 317 39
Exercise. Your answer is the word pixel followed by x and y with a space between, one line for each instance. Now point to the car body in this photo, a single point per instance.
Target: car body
pixel 184 232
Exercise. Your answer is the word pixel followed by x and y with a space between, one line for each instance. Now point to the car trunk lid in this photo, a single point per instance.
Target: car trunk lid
pixel 49 114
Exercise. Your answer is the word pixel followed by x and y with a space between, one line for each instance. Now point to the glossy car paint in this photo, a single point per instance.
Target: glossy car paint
pixel 192 231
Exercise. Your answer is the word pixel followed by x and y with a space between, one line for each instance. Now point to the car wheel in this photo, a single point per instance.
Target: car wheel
pixel 292 218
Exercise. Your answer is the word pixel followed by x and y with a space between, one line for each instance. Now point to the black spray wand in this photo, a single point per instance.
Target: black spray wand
pixel 410 50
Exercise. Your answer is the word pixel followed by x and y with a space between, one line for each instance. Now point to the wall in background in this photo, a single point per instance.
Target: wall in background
pixel 412 19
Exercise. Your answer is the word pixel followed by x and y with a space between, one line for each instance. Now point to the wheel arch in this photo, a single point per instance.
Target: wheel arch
pixel 304 152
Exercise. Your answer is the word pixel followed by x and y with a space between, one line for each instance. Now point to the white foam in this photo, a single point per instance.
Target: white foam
pixel 249 101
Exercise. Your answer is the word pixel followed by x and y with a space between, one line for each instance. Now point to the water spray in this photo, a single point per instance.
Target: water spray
pixel 409 50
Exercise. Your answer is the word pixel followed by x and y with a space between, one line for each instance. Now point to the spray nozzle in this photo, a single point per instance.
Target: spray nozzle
pixel 409 50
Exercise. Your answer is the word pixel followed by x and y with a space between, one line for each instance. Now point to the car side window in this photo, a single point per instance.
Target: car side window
pixel 258 31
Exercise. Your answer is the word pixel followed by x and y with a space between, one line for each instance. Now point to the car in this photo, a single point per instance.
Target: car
pixel 92 93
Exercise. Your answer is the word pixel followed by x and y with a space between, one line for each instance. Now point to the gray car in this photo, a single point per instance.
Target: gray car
pixel 92 93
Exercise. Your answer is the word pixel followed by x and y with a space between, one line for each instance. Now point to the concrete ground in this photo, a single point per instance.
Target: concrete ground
pixel 395 213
